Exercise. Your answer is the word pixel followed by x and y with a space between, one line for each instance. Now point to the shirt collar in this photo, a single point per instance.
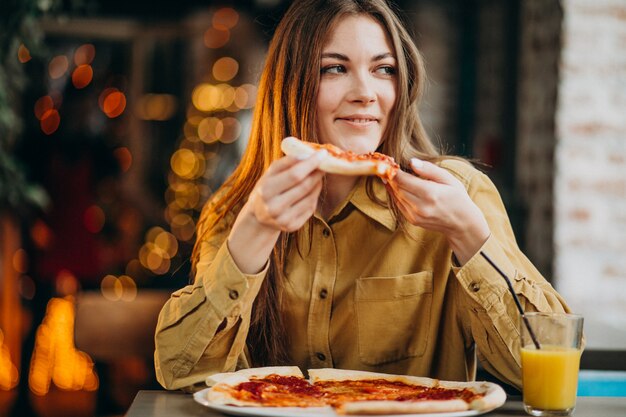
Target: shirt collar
pixel 360 200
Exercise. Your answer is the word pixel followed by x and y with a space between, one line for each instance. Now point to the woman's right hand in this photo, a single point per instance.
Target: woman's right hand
pixel 286 195
pixel 283 199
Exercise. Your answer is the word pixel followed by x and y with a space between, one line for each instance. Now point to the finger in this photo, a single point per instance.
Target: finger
pixel 293 218
pixel 413 185
pixel 429 171
pixel 303 189
pixel 295 174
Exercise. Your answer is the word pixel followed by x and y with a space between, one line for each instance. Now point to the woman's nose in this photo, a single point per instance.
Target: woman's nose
pixel 362 89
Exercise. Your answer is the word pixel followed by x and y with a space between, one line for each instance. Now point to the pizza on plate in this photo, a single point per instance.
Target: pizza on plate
pixel 338 161
pixel 350 392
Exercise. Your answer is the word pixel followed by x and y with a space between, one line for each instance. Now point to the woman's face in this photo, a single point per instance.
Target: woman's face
pixel 358 85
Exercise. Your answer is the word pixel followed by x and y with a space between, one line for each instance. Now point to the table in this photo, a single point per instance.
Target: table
pixel 178 404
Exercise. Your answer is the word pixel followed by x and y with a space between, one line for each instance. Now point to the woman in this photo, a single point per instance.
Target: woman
pixel 294 266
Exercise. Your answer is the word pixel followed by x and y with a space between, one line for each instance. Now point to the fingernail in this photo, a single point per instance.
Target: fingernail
pixel 302 156
pixel 417 163
pixel 384 181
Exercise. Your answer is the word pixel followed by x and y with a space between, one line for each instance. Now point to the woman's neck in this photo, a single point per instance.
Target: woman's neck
pixel 337 189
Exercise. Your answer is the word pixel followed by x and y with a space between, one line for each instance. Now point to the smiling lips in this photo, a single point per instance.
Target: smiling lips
pixel 359 120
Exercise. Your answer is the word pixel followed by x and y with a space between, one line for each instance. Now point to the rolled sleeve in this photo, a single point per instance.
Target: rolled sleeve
pixel 488 311
pixel 202 328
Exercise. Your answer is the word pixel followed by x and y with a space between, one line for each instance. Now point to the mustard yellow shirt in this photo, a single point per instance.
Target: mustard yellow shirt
pixel 367 296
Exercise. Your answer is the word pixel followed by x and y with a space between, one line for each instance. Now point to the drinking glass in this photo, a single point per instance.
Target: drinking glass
pixel 550 373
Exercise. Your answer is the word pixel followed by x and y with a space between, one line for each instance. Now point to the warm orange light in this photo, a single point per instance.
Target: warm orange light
pixel 82 76
pixel 55 358
pixel 58 66
pixel 206 97
pixel 183 227
pixel 225 68
pixel 41 234
pixel 232 130
pixel 245 96
pixel 110 288
pixel 84 54
pixel 66 283
pixel 114 104
pixel 129 288
pixel 210 129
pixel 23 54
pixel 50 121
pixel 216 37
pixel 42 105
pixel 225 18
pixel 156 107
pixel 27 287
pixel 20 261
pixel 9 375
pixel 124 158
pixel 94 219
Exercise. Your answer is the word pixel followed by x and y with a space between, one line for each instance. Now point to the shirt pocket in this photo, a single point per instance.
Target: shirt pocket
pixel 393 316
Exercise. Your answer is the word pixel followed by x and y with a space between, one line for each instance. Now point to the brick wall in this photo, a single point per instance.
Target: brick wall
pixel 540 22
pixel 590 181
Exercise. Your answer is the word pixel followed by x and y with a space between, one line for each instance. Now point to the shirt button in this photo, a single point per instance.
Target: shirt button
pixel 233 294
pixel 326 232
pixel 474 286
pixel 320 356
pixel 323 293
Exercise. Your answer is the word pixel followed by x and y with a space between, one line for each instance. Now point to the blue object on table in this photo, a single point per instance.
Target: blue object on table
pixel 601 383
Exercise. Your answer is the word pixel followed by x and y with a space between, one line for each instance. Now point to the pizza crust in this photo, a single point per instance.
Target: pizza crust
pixel 400 407
pixel 244 375
pixel 494 395
pixel 332 374
pixel 331 164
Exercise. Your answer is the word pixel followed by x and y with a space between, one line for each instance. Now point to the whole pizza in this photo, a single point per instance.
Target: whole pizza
pixel 350 392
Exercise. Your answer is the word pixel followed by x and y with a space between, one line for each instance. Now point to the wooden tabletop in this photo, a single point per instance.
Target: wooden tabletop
pixel 177 404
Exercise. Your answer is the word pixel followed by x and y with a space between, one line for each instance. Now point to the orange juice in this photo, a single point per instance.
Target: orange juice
pixel 550 377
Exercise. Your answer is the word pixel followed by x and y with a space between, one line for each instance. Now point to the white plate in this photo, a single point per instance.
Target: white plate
pixel 201 398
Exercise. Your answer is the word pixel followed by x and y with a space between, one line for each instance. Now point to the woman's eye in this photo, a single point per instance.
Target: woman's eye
pixel 386 70
pixel 333 69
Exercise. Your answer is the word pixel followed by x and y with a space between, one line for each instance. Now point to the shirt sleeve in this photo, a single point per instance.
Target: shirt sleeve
pixel 202 328
pixel 489 314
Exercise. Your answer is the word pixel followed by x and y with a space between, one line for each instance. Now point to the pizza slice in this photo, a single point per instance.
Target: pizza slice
pixel 279 386
pixel 338 161
pixel 362 392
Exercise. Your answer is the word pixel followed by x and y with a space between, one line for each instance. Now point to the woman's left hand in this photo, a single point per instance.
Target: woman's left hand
pixel 436 200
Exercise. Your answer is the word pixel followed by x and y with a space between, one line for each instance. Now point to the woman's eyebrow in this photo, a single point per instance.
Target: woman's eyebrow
pixel 342 57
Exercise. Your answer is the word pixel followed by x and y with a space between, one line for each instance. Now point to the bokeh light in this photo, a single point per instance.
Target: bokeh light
pixel 232 130
pixel 156 107
pixel 225 18
pixel 94 219
pixel 210 129
pixel 82 76
pixel 50 121
pixel 42 105
pixel 225 68
pixel 23 54
pixel 58 66
pixel 84 54
pixel 27 287
pixel 124 158
pixel 216 37
pixel 20 261
pixel 112 102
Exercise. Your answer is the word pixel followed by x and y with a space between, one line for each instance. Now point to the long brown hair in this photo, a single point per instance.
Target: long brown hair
pixel 285 106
